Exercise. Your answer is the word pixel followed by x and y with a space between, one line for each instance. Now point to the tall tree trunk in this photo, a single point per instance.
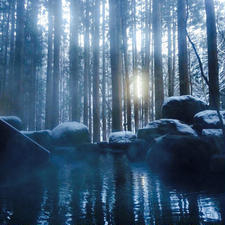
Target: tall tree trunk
pixel 34 37
pixel 146 81
pixel 114 29
pixel 56 71
pixel 174 53
pixel 143 92
pixel 152 81
pixel 19 61
pixel 103 74
pixel 135 68
pixel 124 12
pixel 86 63
pixel 214 96
pixel 124 109
pixel 90 125
pixel 2 41
pixel 96 109
pixel 49 88
pixel 182 48
pixel 74 59
pixel 157 36
pixel 5 64
pixel 109 93
pixel 170 73
pixel 11 57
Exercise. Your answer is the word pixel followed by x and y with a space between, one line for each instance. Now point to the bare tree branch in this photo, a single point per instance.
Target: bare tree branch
pixel 203 75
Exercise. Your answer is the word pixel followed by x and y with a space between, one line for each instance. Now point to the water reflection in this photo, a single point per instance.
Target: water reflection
pixel 106 190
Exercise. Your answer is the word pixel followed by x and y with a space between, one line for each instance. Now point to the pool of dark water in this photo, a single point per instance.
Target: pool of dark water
pixel 109 190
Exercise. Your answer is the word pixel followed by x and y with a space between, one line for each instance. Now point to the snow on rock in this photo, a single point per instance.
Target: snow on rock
pixel 208 119
pixel 70 134
pixel 161 127
pixel 212 132
pixel 127 142
pixel 122 137
pixel 42 137
pixel 182 108
pixel 13 121
pixel 181 153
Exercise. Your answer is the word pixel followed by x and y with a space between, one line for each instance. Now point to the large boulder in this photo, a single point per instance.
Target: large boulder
pixel 19 151
pixel 208 119
pixel 13 121
pixel 121 139
pixel 125 142
pixel 217 163
pixel 42 137
pixel 215 136
pixel 182 108
pixel 70 134
pixel 181 153
pixel 161 127
pixel 212 132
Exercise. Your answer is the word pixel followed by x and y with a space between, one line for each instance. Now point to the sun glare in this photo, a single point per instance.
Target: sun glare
pixel 138 91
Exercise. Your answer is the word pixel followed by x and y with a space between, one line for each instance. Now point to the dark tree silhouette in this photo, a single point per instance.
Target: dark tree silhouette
pixel 182 48
pixel 214 96
pixel 157 36
pixel 114 27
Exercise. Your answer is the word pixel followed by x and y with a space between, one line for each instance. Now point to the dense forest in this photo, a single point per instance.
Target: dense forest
pixel 108 63
pixel 112 112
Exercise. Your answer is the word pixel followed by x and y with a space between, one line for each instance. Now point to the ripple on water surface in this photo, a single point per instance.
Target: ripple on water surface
pixel 107 190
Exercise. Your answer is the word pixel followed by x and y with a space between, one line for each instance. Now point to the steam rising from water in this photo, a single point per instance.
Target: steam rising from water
pixel 105 190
